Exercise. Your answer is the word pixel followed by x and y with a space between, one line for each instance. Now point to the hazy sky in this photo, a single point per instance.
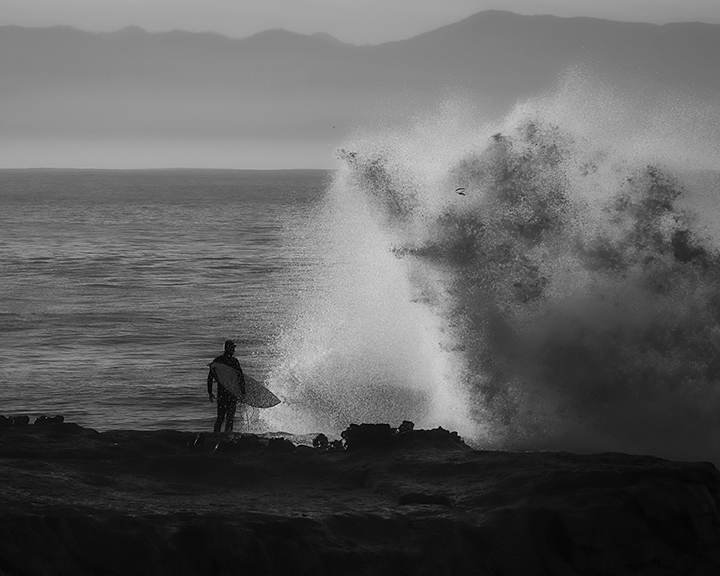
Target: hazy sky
pixel 86 125
pixel 357 21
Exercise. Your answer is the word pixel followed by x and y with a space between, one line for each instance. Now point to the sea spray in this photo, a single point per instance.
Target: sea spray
pixel 540 283
pixel 364 345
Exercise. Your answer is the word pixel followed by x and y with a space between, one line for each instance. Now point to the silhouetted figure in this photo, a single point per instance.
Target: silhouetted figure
pixel 226 402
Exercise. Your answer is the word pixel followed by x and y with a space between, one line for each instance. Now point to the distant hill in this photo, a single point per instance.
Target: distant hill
pixel 280 85
pixel 328 37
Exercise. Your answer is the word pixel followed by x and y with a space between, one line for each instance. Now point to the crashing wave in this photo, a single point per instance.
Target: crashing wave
pixel 586 303
pixel 546 286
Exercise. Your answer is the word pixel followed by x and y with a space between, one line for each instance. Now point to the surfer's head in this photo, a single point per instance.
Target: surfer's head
pixel 229 346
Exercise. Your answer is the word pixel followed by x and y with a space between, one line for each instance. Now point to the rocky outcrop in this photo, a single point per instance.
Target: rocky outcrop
pixel 76 501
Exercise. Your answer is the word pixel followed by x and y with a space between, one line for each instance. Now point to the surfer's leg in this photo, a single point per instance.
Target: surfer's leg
pixel 230 416
pixel 221 407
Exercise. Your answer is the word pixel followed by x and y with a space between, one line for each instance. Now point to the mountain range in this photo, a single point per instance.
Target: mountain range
pixel 308 92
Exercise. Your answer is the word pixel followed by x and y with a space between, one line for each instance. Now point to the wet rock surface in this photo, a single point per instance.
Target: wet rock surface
pixel 75 501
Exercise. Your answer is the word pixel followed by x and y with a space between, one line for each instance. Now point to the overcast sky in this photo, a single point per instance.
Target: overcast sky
pixel 357 21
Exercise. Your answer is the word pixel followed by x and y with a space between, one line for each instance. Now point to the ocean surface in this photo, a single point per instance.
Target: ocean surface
pixel 543 283
pixel 118 287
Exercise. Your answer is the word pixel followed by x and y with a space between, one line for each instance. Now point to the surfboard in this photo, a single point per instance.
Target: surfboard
pixel 255 393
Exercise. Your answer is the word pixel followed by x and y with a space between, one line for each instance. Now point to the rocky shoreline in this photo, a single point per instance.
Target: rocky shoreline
pixel 81 502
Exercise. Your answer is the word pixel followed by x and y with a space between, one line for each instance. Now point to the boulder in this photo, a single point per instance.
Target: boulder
pixel 367 435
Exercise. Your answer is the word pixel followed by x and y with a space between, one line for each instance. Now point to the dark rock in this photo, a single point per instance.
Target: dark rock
pixel 237 443
pixel 280 445
pixel 19 420
pixel 72 428
pixel 320 441
pixel 47 421
pixel 245 441
pixel 367 435
pixel 57 424
pixel 421 498
pixel 5 422
pixel 383 436
pixel 406 426
pixel 140 502
pixel 435 438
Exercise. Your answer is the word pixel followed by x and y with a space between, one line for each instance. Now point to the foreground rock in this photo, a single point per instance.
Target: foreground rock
pixel 79 502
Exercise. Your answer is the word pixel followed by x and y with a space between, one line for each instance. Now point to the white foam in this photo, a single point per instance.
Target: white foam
pixel 474 311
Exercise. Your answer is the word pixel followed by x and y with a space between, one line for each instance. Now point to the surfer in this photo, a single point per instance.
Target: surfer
pixel 226 402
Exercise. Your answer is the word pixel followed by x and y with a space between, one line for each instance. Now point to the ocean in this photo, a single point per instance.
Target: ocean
pixel 117 288
pixel 538 284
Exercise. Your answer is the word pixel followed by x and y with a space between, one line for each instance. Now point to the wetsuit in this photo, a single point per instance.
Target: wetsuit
pixel 226 402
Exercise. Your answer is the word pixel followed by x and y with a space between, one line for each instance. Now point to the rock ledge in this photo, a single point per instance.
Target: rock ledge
pixel 76 501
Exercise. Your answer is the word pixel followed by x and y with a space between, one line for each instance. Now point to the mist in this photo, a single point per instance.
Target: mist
pixel 280 99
